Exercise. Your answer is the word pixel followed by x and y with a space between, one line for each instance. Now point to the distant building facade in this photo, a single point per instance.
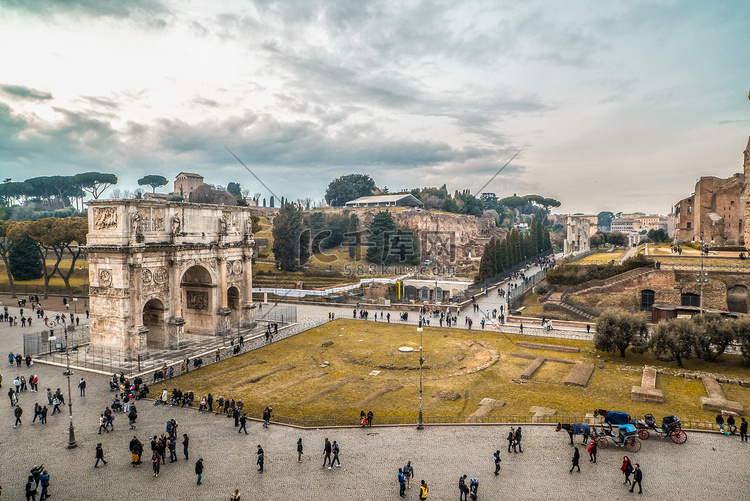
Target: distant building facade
pixel 714 213
pixel 578 232
pixel 185 183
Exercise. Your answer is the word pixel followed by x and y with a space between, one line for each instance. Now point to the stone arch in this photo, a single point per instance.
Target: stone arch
pixel 647 299
pixel 155 320
pixel 233 302
pixel 690 299
pixel 439 294
pixel 424 294
pixel 198 299
pixel 455 293
pixel 737 299
pixel 410 292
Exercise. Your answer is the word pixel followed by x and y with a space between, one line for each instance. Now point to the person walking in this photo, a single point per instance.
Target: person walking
pixel 592 451
pixel 99 455
pixel 261 459
pixel 299 450
pixel 243 422
pixel 199 470
pixel 185 444
pixel 335 449
pixel 518 440
pixel 743 430
pixel 627 469
pixel 82 387
pixel 401 482
pixel 423 490
pixel 44 482
pixel 102 423
pixel 326 453
pixel 408 473
pixel 576 457
pixel 511 440
pixel 463 489
pixel 637 477
pixel 497 462
pixel 18 412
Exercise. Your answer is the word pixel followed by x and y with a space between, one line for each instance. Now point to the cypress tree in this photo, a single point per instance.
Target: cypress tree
pixel 24 261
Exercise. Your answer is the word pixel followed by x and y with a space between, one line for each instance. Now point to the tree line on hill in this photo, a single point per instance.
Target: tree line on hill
pixel 352 186
pixel 297 237
pixel 29 247
pixel 56 190
pixel 516 247
pixel 705 336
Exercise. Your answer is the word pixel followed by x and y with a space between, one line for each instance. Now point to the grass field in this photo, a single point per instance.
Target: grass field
pixel 602 257
pixel 288 376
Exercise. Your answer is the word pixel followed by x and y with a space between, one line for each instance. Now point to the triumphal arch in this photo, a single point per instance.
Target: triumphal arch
pixel 161 271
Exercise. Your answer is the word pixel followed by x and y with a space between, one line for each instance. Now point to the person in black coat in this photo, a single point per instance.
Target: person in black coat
pixel 637 477
pixel 576 457
pixel 199 470
pixel 261 459
pixel 743 430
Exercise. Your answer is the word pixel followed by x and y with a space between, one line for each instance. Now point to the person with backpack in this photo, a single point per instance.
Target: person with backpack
pixel 31 489
pixel 82 387
pixel 423 490
pixel 401 482
pixel 99 455
pixel 463 490
pixel 497 462
pixel 592 451
pixel 627 469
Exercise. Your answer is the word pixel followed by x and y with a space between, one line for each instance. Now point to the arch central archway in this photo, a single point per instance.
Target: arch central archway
pixel 154 319
pixel 737 299
pixel 198 299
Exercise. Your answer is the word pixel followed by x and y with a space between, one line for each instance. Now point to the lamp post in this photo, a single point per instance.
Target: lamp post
pixel 71 431
pixel 75 306
pixel 420 423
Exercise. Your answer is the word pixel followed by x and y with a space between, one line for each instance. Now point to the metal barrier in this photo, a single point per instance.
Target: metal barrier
pixel 278 314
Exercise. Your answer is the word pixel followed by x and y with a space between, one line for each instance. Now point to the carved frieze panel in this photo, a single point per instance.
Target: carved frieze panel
pixel 105 278
pixel 145 276
pixel 160 275
pixel 109 292
pixel 105 218
pixel 197 300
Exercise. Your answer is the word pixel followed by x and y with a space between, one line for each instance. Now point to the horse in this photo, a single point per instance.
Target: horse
pixel 575 429
pixel 600 412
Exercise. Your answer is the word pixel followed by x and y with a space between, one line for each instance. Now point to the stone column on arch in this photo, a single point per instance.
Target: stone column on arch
pixel 248 306
pixel 175 324
pixel 224 310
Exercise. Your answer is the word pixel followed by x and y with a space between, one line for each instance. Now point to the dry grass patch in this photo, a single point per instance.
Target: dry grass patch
pixel 353 349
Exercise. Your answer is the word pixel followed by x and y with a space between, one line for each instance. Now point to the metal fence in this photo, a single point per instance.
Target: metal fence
pixel 52 339
pixel 517 296
pixel 276 314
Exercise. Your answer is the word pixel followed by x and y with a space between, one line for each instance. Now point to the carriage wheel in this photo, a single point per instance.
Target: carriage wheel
pixel 678 436
pixel 643 434
pixel 633 444
pixel 602 442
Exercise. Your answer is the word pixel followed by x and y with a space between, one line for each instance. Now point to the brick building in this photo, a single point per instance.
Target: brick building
pixel 714 212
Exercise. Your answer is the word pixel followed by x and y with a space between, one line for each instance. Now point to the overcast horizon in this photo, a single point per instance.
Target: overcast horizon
pixel 615 106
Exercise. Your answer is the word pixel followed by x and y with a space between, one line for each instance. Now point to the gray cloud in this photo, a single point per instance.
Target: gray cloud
pixel 26 92
pixel 113 8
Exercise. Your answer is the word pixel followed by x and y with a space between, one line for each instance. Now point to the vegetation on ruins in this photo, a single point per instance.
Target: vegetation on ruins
pixel 573 274
pixel 388 244
pixel 290 238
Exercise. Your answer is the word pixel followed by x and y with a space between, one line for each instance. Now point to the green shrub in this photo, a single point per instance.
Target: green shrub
pixel 574 274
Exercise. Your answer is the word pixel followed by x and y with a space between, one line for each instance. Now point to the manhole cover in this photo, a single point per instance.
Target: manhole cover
pixel 406 349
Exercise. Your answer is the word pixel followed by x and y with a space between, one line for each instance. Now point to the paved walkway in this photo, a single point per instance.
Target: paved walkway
pixel 707 467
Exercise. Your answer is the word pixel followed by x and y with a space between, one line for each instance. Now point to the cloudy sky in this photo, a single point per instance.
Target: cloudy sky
pixel 616 105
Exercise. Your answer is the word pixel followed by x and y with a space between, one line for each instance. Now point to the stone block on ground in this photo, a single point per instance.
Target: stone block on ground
pixel 713 388
pixel 549 347
pixel 532 368
pixel 541 412
pixel 579 375
pixel 647 391
pixel 721 405
pixel 486 406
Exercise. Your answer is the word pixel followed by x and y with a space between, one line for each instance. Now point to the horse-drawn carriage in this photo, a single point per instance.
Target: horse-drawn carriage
pixel 618 427
pixel 671 427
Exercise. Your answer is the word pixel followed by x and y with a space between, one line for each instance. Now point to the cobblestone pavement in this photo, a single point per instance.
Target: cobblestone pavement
pixel 708 466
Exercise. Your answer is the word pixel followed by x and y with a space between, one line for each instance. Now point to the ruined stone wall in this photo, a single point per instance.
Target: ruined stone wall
pixel 668 287
pixel 747 179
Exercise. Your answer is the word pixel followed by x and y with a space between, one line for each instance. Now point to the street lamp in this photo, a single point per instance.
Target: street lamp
pixel 75 306
pixel 71 431
pixel 420 423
